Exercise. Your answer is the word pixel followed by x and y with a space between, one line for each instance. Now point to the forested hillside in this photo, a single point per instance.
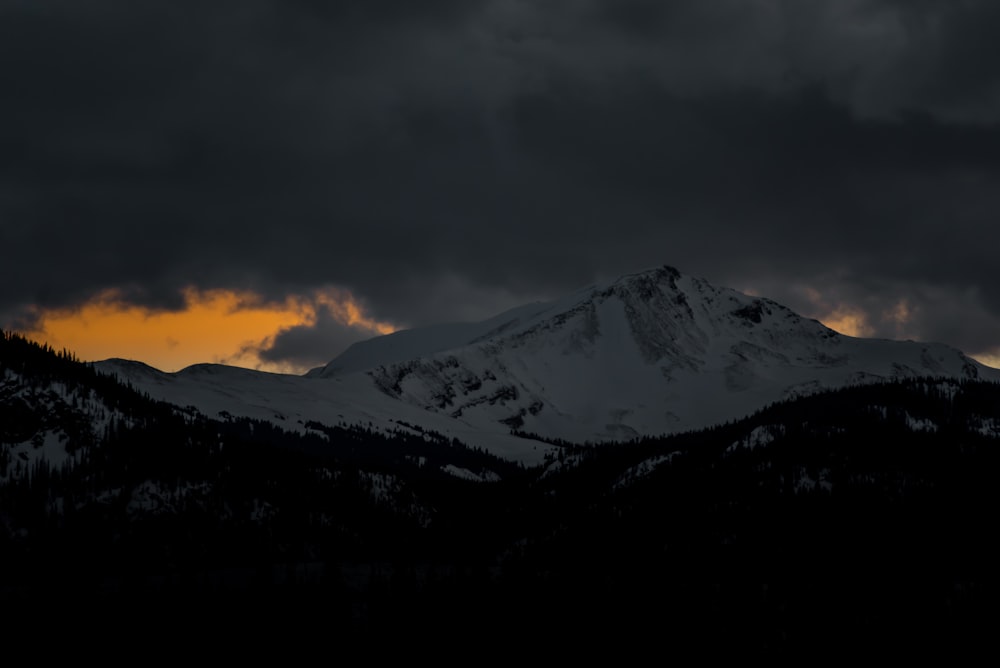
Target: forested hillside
pixel 857 517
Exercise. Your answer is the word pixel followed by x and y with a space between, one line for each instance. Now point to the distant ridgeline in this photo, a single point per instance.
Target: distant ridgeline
pixel 858 516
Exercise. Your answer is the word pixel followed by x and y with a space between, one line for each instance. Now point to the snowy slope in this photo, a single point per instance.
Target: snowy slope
pixel 45 420
pixel 409 344
pixel 293 401
pixel 649 353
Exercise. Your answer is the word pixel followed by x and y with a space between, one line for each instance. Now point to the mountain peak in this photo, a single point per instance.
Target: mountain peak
pixel 649 352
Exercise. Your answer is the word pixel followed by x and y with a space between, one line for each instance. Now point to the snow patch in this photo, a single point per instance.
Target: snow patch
pixel 758 437
pixel 466 474
pixel 990 427
pixel 643 470
pixel 919 424
pixel 152 497
pixel 805 483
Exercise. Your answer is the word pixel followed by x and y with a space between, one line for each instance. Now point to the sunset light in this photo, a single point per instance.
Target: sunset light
pixel 217 326
pixel 847 320
pixel 989 359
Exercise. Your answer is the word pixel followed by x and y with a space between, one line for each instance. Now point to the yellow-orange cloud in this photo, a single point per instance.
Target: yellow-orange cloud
pixel 848 320
pixel 989 359
pixel 900 314
pixel 220 326
pixel 344 308
pixel 840 317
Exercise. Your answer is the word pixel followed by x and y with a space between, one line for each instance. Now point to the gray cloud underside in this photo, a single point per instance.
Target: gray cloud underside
pixel 307 346
pixel 444 160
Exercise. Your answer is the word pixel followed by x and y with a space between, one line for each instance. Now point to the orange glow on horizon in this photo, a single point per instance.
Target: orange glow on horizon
pixel 218 326
pixel 849 321
pixel 840 317
pixel 991 360
pixel 853 321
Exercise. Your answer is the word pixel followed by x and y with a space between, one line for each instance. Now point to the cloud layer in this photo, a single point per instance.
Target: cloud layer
pixel 445 160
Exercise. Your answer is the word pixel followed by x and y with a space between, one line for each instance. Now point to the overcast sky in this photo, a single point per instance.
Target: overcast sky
pixel 447 159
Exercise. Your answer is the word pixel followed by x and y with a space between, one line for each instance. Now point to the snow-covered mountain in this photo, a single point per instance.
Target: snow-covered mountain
pixel 108 496
pixel 649 353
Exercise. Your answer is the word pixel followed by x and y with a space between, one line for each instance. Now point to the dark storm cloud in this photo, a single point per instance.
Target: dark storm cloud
pixel 444 160
pixel 307 346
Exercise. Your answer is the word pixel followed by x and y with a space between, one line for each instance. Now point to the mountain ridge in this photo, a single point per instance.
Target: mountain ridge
pixel 649 334
pixel 651 352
